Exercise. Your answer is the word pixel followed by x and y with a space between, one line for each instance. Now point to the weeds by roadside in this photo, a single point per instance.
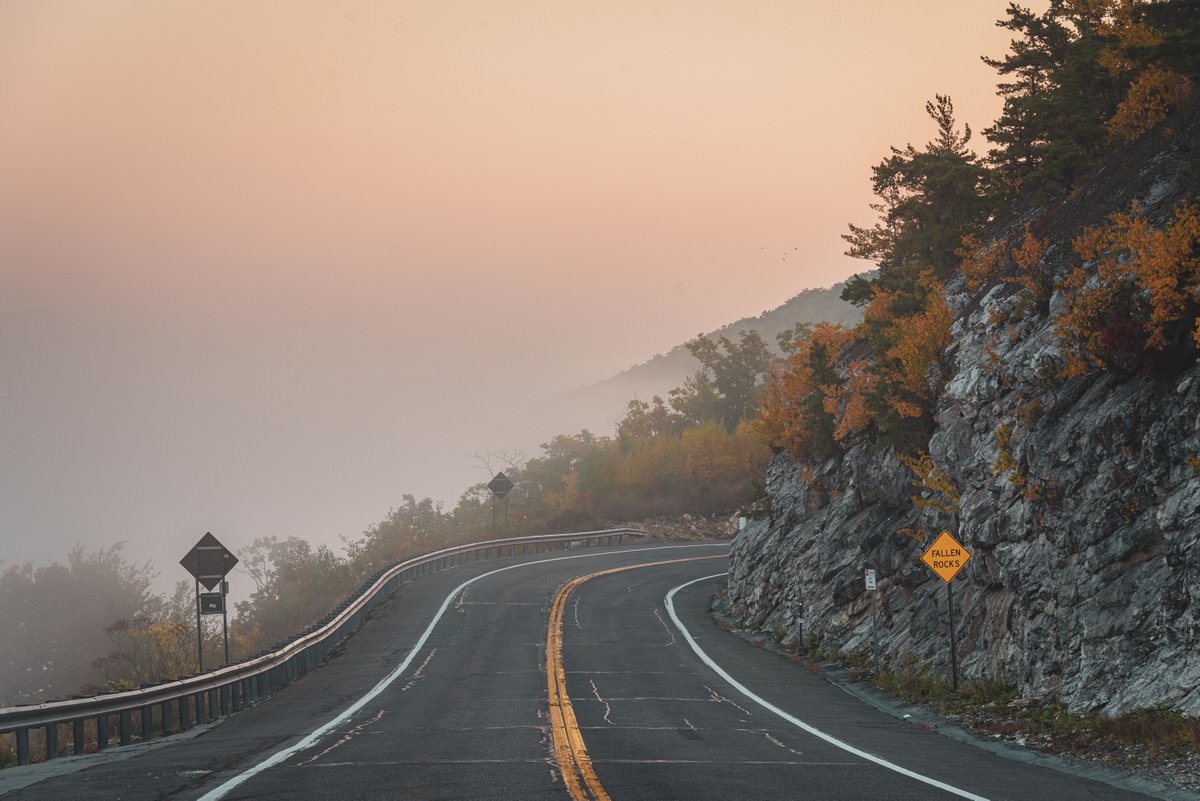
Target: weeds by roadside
pixel 1156 741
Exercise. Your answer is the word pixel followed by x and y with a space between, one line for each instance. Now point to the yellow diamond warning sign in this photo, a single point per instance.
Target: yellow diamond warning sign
pixel 945 557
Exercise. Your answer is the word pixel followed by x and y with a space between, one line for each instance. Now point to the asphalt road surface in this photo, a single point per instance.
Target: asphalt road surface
pixel 569 677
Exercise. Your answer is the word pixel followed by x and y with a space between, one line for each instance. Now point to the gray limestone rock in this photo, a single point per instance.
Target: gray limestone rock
pixel 1085 576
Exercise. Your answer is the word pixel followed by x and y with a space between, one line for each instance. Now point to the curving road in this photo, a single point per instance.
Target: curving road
pixel 563 678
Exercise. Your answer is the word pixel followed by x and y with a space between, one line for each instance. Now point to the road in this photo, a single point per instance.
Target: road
pixel 564 678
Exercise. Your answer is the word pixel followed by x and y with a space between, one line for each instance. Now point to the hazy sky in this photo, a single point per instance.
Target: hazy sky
pixel 266 266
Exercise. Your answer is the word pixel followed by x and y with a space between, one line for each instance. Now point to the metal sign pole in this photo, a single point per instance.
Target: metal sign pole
pixel 945 557
pixel 225 617
pixel 500 486
pixel 874 635
pixel 869 576
pixel 953 640
pixel 199 631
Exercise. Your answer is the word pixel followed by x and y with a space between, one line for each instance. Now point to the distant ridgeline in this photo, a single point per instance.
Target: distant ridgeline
pixel 596 404
pixel 1025 377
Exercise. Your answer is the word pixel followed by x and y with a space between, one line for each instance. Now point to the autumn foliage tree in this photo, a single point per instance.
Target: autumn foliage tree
pixel 794 414
pixel 1140 313
pixel 1081 77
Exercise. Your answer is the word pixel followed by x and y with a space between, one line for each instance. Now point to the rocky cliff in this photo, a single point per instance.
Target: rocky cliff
pixel 1085 576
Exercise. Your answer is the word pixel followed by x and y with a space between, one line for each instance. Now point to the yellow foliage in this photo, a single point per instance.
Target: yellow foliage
pixel 931 478
pixel 786 417
pixel 979 261
pixel 1033 274
pixel 1114 18
pixel 920 340
pixel 879 310
pixel 1161 267
pixel 847 402
pixel 1004 457
pixel 1151 95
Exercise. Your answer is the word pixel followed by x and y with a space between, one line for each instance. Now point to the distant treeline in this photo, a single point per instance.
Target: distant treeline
pixel 96 624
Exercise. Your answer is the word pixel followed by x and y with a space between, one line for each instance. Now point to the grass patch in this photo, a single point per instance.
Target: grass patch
pixel 994 706
pixel 922 685
pixel 8 750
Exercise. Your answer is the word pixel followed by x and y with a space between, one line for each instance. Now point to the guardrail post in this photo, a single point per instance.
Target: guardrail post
pixel 147 720
pixel 79 741
pixel 185 709
pixel 102 732
pixel 126 727
pixel 52 741
pixel 214 710
pixel 199 708
pixel 22 746
pixel 165 714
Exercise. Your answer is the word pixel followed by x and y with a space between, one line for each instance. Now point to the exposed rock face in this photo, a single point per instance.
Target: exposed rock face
pixel 1085 582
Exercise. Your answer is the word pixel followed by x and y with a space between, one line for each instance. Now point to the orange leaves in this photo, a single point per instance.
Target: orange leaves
pixel 982 262
pixel 1147 278
pixel 979 261
pixel 819 397
pixel 793 414
pixel 847 402
pixel 1028 257
pixel 1153 89
pixel 935 487
pixel 921 339
pixel 1151 95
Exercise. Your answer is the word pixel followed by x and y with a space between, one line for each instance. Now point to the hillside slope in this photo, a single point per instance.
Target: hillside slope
pixel 1085 535
pixel 598 406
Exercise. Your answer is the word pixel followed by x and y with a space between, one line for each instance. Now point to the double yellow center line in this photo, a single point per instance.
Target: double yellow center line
pixel 573 760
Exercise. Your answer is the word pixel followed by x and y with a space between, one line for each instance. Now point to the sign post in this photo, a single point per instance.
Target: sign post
pixel 945 557
pixel 225 617
pixel 209 562
pixel 500 486
pixel 869 579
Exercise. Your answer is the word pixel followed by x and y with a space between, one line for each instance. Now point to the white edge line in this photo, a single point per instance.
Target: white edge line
pixel 794 720
pixel 312 739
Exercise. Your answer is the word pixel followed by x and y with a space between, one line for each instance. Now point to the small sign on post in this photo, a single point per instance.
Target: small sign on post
pixel 945 557
pixel 212 603
pixel 869 580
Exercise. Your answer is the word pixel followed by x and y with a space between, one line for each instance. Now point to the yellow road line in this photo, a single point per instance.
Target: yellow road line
pixel 569 749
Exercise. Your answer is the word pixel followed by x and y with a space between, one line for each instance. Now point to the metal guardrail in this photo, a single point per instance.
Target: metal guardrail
pixel 190 700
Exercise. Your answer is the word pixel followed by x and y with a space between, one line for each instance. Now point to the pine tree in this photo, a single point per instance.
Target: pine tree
pixel 929 200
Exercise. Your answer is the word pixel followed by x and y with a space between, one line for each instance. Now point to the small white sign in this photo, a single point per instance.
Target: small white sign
pixel 869 575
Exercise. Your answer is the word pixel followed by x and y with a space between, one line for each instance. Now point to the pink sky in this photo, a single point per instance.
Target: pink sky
pixel 268 265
